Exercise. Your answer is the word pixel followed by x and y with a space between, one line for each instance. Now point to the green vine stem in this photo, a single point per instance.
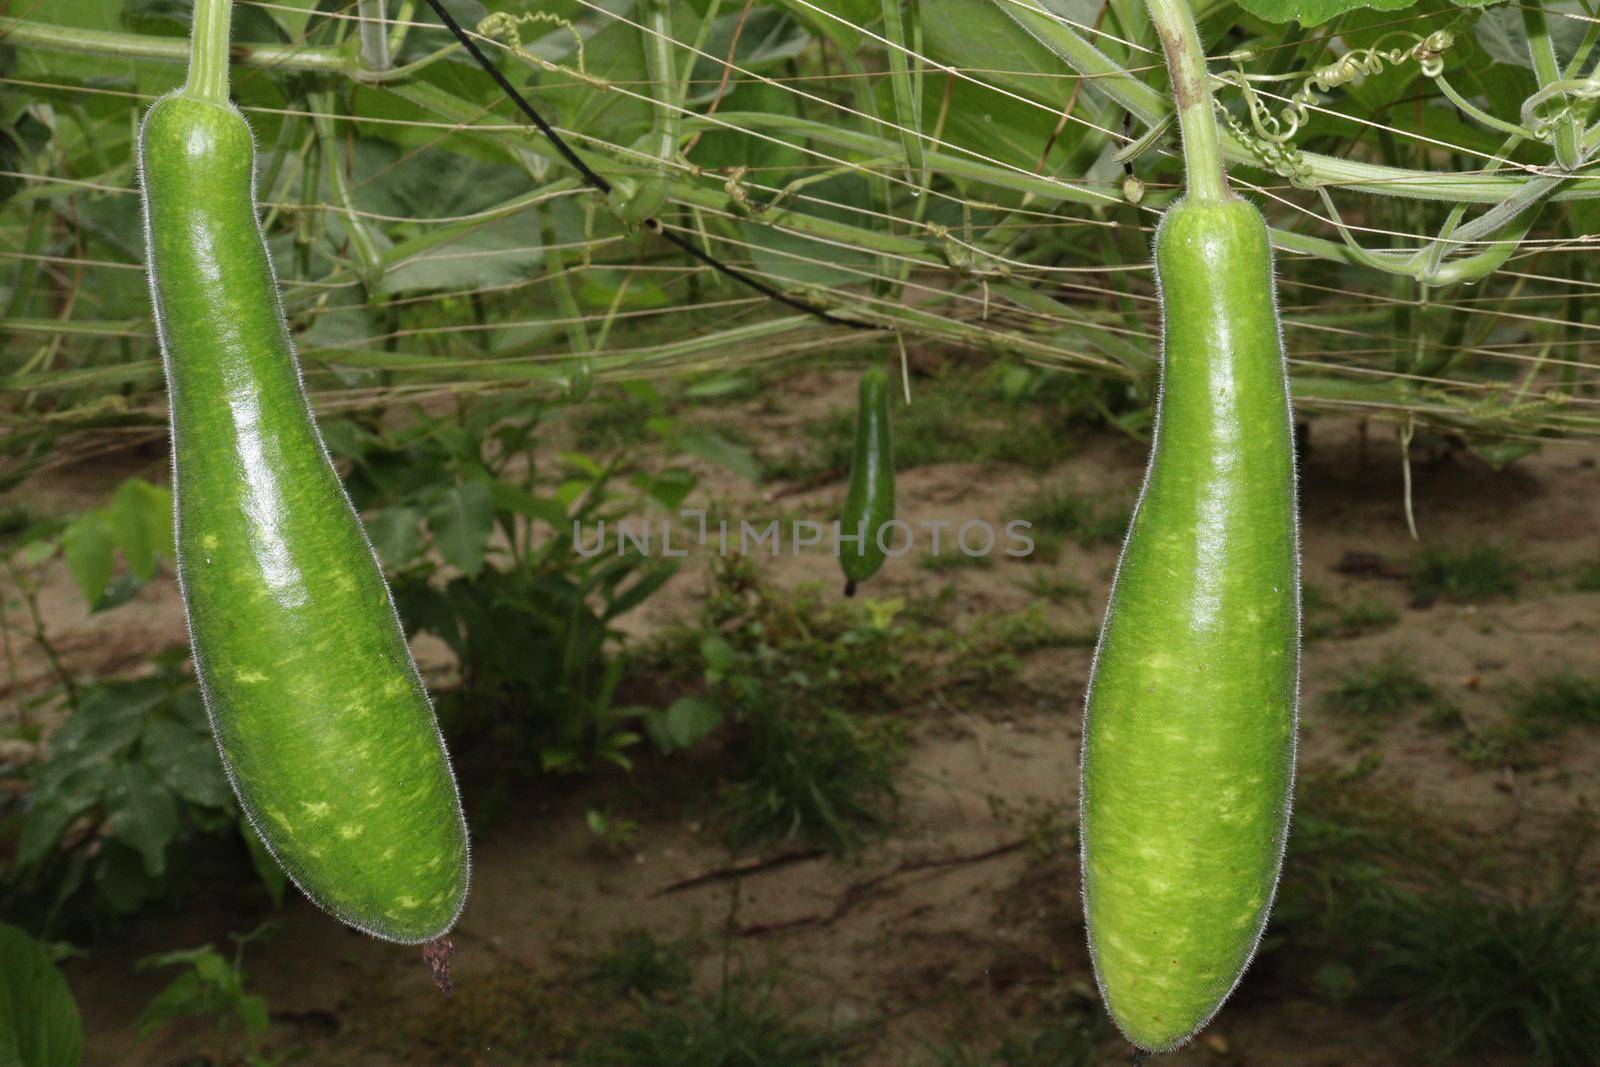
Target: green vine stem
pixel 1100 73
pixel 208 60
pixel 369 261
pixel 1150 107
pixel 906 90
pixel 374 39
pixel 1204 173
pixel 1547 69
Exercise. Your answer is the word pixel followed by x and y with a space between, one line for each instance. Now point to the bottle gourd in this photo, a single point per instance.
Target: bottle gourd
pixel 319 712
pixel 1189 732
pixel 869 502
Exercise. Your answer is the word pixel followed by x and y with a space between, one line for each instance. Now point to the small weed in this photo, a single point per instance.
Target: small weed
pixel 743 1025
pixel 1524 977
pixel 1053 586
pixel 823 777
pixel 1467 575
pixel 641 965
pixel 1375 905
pixel 1067 1034
pixel 1553 703
pixel 1504 745
pixel 1057 517
pixel 1372 694
pixel 1587 579
pixel 613 833
pixel 944 562
pixel 1325 617
pixel 1536 712
pixel 210 987
pixel 1049 833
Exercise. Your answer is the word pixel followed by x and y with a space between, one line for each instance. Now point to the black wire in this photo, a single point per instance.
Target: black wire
pixel 654 225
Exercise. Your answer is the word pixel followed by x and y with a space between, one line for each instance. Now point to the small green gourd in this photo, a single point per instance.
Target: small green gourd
pixel 869 504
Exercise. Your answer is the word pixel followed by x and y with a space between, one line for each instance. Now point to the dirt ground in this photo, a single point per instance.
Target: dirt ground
pixel 953 921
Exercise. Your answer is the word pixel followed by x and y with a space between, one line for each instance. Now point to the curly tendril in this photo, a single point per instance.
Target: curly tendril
pixel 507 28
pixel 1271 136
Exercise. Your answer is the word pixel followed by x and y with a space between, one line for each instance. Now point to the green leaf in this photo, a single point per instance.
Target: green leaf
pixel 140 813
pixel 462 518
pixel 396 534
pixel 515 499
pixel 650 580
pixel 1316 12
pixel 141 516
pixel 183 997
pixel 686 722
pixel 186 763
pixel 107 721
pixel 718 655
pixel 267 868
pixel 88 545
pixel 842 31
pixel 668 487
pixel 39 1021
pixel 712 447
pixel 56 803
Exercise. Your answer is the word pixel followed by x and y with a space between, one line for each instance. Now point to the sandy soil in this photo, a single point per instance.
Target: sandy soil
pixel 953 922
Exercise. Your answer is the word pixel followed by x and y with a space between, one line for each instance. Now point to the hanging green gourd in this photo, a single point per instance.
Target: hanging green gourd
pixel 1189 726
pixel 319 712
pixel 869 504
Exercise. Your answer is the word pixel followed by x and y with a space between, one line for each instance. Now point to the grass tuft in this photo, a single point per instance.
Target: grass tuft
pixel 1467 575
pixel 822 778
pixel 743 1025
pixel 1377 908
pixel 1057 517
pixel 1551 704
pixel 1325 617
pixel 641 965
pixel 1372 694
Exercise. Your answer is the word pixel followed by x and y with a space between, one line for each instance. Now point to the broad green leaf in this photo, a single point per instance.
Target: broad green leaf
pixel 1316 12
pixel 185 762
pixel 396 533
pixel 687 721
pixel 141 516
pixel 718 655
pixel 512 498
pixel 1500 31
pixel 498 253
pixel 981 37
pixel 140 813
pixel 108 719
pixel 669 487
pixel 712 447
pixel 642 588
pixel 121 879
pixel 184 996
pixel 266 867
pixel 88 544
pixel 462 518
pixel 842 30
pixel 54 808
pixel 39 1021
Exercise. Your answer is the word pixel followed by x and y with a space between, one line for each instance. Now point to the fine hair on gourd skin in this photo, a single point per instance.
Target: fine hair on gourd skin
pixel 206 697
pixel 1294 707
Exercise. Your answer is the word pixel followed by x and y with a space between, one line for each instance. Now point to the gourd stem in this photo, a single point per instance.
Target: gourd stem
pixel 374 39
pixel 1191 93
pixel 1547 69
pixel 208 51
